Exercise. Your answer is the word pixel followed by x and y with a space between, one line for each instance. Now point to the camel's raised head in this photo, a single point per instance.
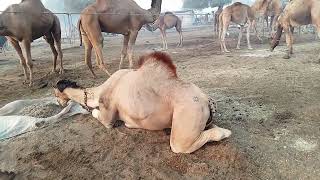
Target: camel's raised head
pixel 276 38
pixel 59 88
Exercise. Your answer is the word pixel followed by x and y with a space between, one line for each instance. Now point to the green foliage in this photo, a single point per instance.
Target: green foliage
pixel 200 4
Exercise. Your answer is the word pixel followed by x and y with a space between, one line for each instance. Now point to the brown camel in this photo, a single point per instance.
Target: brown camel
pixel 167 21
pixel 296 13
pixel 273 11
pixel 240 14
pixel 114 16
pixel 151 97
pixel 26 22
pixel 216 19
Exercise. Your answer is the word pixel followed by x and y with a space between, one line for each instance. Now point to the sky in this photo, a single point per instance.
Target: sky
pixel 167 5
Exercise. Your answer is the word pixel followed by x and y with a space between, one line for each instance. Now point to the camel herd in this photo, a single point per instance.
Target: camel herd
pixel 29 20
pixel 152 96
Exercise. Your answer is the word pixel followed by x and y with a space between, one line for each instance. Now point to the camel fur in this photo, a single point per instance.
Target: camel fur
pixel 296 13
pixel 114 16
pixel 151 97
pixel 29 21
pixel 164 22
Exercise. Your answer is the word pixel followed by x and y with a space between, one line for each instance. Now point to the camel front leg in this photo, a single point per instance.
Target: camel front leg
pixel 17 47
pixel 105 115
pixel 239 38
pixel 132 41
pixel 124 49
pixel 27 47
pixel 289 42
pixel 210 135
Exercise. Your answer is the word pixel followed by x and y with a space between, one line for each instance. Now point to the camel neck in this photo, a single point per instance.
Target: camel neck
pixel 86 97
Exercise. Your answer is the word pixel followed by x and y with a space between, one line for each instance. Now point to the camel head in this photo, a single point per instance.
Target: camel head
pixel 59 89
pixel 155 9
pixel 276 38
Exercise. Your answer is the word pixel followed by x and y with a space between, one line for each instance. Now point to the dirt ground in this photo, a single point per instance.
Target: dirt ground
pixel 270 104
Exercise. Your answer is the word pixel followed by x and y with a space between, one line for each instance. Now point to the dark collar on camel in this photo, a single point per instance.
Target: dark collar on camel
pixel 85 106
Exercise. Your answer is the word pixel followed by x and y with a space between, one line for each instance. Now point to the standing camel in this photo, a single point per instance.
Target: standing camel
pixel 273 11
pixel 26 22
pixel 216 19
pixel 296 13
pixel 114 16
pixel 167 21
pixel 240 14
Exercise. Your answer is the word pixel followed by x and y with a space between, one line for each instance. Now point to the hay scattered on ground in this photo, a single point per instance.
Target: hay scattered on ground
pixel 41 110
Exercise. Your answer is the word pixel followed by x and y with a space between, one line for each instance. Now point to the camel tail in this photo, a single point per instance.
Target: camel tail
pixel 275 41
pixel 79 28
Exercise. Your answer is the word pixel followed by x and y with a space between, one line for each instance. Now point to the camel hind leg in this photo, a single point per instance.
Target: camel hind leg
pixel 17 47
pixel 239 38
pixel 179 30
pixel 88 51
pixel 93 32
pixel 56 34
pixel 50 41
pixel 224 21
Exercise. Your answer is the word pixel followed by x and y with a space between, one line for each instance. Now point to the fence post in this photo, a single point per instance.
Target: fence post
pixel 70 28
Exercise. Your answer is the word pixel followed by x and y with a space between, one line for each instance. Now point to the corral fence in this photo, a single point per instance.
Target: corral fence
pixel 190 22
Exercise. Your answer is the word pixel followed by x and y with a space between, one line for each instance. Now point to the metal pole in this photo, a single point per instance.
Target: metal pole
pixel 70 30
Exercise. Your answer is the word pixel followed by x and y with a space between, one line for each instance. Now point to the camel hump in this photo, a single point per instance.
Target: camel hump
pixel 237 4
pixel 158 58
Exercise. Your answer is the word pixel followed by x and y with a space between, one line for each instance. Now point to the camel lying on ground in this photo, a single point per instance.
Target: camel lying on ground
pixel 121 17
pixel 26 22
pixel 167 21
pixel 151 97
pixel 240 14
pixel 296 13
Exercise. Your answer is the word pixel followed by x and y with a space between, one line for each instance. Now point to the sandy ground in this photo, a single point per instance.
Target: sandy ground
pixel 270 104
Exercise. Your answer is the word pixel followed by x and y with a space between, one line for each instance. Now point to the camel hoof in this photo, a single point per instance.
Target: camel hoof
pixel 95 113
pixel 286 57
pixel 227 51
pixel 250 48
pixel 238 48
pixel 226 133
pixel 30 84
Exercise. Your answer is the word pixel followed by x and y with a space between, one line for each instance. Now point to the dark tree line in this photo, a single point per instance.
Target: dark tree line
pixel 200 4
